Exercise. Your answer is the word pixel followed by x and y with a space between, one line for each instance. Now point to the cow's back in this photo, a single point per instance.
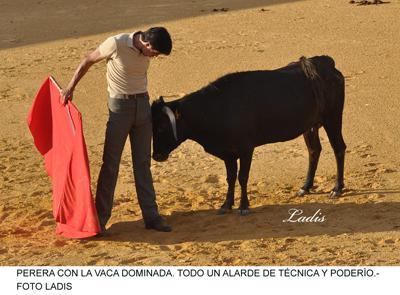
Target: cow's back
pixel 252 108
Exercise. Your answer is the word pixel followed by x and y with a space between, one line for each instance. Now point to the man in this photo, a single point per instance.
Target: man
pixel 128 57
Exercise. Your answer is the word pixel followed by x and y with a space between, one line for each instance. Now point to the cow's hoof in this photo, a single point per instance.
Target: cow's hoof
pixel 244 212
pixel 222 211
pixel 302 192
pixel 335 194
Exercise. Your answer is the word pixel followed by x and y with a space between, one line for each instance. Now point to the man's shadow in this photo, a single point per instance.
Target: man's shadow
pixel 268 222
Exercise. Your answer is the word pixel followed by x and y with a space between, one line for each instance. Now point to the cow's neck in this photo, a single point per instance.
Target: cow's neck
pixel 188 121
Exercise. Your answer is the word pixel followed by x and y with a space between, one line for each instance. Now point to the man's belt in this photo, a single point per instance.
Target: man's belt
pixel 131 96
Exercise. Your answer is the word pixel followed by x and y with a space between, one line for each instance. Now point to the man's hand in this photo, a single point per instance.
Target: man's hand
pixel 66 94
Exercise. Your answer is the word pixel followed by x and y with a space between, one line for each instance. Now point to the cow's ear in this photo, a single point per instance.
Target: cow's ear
pixel 158 102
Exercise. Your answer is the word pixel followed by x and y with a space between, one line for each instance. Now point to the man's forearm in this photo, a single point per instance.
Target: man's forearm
pixel 81 70
pixel 79 73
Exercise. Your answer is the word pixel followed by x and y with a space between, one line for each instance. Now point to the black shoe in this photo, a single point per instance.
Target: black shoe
pixel 159 224
pixel 103 232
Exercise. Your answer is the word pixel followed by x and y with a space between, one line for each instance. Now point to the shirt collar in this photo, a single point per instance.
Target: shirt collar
pixel 130 41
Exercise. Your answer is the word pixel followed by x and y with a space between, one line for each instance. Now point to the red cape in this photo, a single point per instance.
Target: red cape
pixel 58 135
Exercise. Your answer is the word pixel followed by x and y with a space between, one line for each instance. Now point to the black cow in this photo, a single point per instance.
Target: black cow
pixel 240 111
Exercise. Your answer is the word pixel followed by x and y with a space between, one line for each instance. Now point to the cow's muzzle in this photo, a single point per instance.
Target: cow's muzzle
pixel 160 157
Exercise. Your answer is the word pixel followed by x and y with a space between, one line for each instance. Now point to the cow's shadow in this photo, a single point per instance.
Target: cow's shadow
pixel 267 222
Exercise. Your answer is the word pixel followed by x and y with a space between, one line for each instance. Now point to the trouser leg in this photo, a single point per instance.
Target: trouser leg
pixel 118 127
pixel 140 138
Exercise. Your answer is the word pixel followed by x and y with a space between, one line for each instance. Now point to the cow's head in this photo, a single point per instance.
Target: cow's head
pixel 165 138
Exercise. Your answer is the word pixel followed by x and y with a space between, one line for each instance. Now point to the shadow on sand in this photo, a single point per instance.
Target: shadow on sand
pixel 267 222
pixel 48 20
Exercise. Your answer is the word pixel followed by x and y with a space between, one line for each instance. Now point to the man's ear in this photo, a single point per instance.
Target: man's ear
pixel 161 99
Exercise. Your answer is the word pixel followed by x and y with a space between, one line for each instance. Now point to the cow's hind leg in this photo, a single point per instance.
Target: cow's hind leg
pixel 313 143
pixel 334 130
pixel 245 163
pixel 231 174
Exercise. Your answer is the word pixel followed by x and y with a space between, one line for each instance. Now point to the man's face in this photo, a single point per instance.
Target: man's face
pixel 148 50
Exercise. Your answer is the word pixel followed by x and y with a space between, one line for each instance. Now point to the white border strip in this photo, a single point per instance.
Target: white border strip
pixel 198 280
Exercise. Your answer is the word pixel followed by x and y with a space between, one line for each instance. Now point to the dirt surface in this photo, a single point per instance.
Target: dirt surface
pixel 211 38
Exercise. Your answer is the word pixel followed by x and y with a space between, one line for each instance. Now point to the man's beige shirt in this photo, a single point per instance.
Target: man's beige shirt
pixel 126 66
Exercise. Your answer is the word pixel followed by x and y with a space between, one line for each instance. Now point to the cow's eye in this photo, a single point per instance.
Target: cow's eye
pixel 163 126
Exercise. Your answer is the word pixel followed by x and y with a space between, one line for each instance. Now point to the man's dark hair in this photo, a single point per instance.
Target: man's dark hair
pixel 159 39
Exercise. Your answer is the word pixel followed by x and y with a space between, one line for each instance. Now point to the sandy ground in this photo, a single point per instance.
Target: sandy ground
pixel 361 228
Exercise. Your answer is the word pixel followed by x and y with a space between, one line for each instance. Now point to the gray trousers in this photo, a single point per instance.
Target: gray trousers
pixel 127 117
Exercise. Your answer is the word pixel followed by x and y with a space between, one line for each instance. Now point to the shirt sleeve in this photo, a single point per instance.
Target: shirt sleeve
pixel 108 47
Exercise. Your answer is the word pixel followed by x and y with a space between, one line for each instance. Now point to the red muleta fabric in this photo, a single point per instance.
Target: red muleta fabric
pixel 58 135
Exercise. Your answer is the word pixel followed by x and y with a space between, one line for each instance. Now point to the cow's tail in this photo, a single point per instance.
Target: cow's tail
pixel 317 70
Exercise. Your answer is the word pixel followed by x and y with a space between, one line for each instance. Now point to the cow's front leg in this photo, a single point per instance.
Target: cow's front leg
pixel 231 174
pixel 245 163
pixel 313 143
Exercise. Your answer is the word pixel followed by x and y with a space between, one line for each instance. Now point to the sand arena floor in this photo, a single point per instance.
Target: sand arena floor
pixel 361 228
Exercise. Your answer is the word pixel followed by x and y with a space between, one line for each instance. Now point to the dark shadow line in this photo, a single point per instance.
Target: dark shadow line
pixel 76 18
